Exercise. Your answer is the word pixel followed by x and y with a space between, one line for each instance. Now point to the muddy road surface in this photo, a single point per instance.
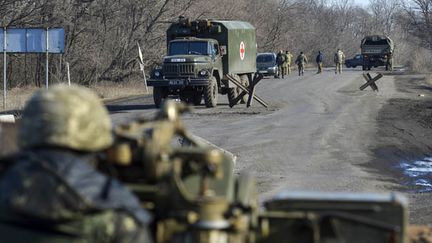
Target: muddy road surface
pixel 321 133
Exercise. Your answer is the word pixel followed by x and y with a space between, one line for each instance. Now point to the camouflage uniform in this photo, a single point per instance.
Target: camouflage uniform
pixel 301 62
pixel 289 60
pixel 286 63
pixel 51 192
pixel 280 60
pixel 339 59
pixel 389 63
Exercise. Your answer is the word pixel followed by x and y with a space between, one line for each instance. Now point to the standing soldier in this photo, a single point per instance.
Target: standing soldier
pixel 339 59
pixel 290 56
pixel 389 63
pixel 301 62
pixel 280 60
pixel 51 192
pixel 285 65
pixel 319 61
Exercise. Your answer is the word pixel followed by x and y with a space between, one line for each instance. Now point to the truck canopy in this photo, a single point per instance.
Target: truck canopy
pixel 377 44
pixel 236 40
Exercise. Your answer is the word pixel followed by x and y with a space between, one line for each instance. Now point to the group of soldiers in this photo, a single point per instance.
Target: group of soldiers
pixel 283 60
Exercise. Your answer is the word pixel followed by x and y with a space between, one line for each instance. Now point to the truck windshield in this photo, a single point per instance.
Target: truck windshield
pixel 370 42
pixel 189 48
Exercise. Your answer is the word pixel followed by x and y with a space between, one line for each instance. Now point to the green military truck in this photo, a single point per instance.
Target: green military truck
pixel 376 50
pixel 200 55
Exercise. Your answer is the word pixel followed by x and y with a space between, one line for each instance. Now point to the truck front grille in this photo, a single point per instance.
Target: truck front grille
pixel 178 70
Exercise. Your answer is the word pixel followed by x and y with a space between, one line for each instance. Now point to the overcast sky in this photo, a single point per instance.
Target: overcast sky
pixel 361 2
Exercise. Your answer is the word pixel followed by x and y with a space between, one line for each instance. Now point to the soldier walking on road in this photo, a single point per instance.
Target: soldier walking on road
pixel 301 62
pixel 288 62
pixel 280 60
pixel 339 59
pixel 319 61
pixel 51 191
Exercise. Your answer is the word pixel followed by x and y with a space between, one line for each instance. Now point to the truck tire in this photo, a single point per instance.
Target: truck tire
pixel 245 81
pixel 232 94
pixel 159 95
pixel 211 93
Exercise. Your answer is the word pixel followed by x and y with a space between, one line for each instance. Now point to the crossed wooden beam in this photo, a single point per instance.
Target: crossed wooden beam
pixel 370 81
pixel 247 90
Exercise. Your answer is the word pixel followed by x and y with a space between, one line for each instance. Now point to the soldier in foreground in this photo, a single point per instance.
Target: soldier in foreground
pixel 51 192
pixel 301 61
pixel 339 59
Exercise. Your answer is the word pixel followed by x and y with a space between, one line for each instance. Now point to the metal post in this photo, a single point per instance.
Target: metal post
pixel 142 66
pixel 4 68
pixel 47 56
pixel 68 73
pixel 145 79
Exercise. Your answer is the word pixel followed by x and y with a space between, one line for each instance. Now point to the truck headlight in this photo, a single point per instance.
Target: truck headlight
pixel 203 72
pixel 157 74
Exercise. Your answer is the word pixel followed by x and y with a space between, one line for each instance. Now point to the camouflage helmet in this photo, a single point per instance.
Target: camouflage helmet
pixel 69 117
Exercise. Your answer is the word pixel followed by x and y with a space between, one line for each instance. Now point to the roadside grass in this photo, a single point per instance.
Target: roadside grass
pixel 17 97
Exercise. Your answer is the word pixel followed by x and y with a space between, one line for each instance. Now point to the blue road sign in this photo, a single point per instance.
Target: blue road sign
pixel 56 40
pixel 16 40
pixel 36 40
pixel 33 40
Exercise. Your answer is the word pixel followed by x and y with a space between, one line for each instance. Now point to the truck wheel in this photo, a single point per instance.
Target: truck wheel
pixel 159 95
pixel 245 81
pixel 232 94
pixel 211 93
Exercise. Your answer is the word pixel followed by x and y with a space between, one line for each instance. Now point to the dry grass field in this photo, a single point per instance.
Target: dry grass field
pixel 17 97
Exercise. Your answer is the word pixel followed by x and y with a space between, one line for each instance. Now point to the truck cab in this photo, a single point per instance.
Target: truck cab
pixel 187 69
pixel 191 58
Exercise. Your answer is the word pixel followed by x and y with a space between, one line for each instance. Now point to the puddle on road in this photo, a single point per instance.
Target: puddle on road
pixel 418 173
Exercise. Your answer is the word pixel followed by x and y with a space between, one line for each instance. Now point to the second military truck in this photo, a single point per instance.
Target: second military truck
pixel 376 51
pixel 201 54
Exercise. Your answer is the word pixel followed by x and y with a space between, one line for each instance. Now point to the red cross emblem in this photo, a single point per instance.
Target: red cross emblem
pixel 242 50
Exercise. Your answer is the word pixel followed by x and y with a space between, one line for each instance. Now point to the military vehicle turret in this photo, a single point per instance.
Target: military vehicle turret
pixel 376 50
pixel 200 55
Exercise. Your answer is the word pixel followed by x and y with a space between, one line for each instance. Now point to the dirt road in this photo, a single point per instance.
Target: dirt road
pixel 322 133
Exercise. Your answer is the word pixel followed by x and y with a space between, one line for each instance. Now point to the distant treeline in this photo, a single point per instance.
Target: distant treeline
pixel 102 35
